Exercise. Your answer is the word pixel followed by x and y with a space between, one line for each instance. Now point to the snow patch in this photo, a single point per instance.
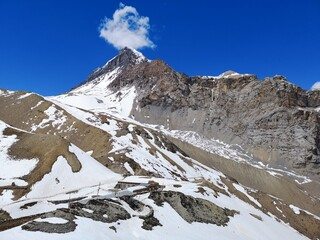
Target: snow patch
pixel 87 210
pixel 243 190
pixel 24 96
pixel 37 105
pixel 92 173
pixel 12 168
pixel 52 220
pixel 12 182
pixel 96 86
pixel 128 168
pixel 56 117
pixel 120 102
pixel 6 93
pixel 295 209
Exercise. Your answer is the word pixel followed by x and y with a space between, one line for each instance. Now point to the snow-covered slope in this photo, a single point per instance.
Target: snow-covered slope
pixel 96 95
pixel 102 100
pixel 62 179
pixel 178 174
pixel 248 223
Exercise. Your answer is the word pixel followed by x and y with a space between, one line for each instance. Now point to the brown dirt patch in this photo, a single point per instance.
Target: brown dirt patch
pixel 45 148
pixel 11 223
pixel 304 223
pixel 4 216
pixel 23 113
pixel 212 186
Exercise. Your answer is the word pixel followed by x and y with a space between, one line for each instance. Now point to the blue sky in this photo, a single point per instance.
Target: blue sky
pixel 50 46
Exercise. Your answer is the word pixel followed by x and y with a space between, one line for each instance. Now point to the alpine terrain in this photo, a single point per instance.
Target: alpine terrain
pixel 140 151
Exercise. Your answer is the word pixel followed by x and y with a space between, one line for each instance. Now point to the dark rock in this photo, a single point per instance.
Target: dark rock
pixel 150 222
pixel 113 228
pixel 103 211
pixel 27 205
pixel 48 227
pixel 193 209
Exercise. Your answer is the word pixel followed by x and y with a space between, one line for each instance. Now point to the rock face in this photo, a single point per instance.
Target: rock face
pixel 44 226
pixel 99 210
pixel 193 209
pixel 276 121
pixel 273 119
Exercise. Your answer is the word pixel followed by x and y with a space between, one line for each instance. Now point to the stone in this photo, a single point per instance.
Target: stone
pixel 193 209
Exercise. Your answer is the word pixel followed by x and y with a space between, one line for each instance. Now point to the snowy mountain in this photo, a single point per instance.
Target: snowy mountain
pixel 133 153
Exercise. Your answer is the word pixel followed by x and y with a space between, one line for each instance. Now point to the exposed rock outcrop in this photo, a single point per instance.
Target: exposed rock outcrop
pixel 271 118
pixel 44 226
pixel 100 210
pixel 193 209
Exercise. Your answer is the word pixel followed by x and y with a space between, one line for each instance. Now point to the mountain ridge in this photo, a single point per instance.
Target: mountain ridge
pixel 163 153
pixel 161 91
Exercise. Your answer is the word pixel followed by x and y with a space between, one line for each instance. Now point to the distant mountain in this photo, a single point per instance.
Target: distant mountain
pixel 140 151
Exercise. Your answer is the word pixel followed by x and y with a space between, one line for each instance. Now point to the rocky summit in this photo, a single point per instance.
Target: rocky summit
pixel 141 151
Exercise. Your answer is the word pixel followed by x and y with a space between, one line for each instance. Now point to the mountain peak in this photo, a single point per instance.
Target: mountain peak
pixel 134 53
pixel 125 57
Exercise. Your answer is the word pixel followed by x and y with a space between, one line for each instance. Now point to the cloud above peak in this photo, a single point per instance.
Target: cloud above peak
pixel 315 86
pixel 126 29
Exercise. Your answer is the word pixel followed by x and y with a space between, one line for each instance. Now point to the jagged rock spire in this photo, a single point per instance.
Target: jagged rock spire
pixel 126 57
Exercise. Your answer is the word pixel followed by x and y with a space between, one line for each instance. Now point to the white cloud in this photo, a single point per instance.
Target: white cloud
pixel 315 86
pixel 126 29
